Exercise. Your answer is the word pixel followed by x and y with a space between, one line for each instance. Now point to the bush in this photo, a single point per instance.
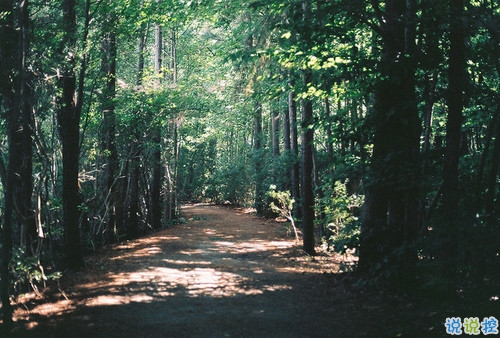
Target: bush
pixel 341 227
pixel 282 204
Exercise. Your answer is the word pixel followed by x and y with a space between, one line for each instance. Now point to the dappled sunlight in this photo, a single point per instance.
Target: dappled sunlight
pixel 211 259
pixel 107 300
pixel 185 262
pixel 141 247
pixel 50 309
pixel 158 283
pixel 249 246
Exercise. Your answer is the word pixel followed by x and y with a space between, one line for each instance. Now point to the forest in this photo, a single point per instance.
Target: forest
pixel 373 126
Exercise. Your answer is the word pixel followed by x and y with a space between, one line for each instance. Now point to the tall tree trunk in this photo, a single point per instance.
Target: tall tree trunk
pixel 173 55
pixel 491 179
pixel 24 164
pixel 171 171
pixel 258 163
pixel 307 170
pixel 275 141
pixel 132 226
pixel 286 146
pixel 141 45
pixel 292 14
pixel 328 130
pixel 430 97
pixel 389 226
pixel 25 204
pixel 69 129
pixel 114 203
pixel 171 207
pixel 275 132
pixel 11 71
pixel 308 202
pixel 456 86
pixel 17 93
pixel 156 180
pixel 294 152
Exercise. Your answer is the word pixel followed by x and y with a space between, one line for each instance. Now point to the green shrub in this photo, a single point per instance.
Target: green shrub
pixel 341 224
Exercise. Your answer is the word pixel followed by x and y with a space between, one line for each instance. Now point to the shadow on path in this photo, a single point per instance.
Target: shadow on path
pixel 225 273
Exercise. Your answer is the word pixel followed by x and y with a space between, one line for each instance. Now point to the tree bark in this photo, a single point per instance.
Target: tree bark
pixel 390 213
pixel 132 222
pixel 171 169
pixel 491 179
pixel 455 100
pixel 156 180
pixel 287 147
pixel 69 130
pixel 275 142
pixel 114 204
pixel 307 171
pixel 258 165
pixel 307 187
pixel 328 130
pixel 294 153
pixel 10 90
pixel 275 132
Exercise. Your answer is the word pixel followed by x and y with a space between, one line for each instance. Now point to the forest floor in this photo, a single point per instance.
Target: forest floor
pixel 223 273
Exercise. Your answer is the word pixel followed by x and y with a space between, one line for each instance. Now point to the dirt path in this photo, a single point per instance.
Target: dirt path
pixel 224 273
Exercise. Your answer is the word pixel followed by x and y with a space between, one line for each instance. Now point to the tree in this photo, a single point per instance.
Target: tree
pixel 389 226
pixel 9 98
pixel 16 176
pixel 112 183
pixel 260 188
pixel 69 129
pixel 186 109
pixel 156 180
pixel 132 203
pixel 307 145
pixel 455 100
pixel 307 170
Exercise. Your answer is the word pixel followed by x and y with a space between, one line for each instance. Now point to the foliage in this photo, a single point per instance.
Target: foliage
pixel 342 221
pixel 222 61
pixel 28 272
pixel 282 204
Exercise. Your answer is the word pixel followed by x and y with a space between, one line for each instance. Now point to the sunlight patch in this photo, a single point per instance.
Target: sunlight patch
pixel 159 282
pixel 109 300
pixel 183 262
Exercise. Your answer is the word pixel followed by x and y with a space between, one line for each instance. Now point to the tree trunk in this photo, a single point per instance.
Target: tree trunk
pixel 258 163
pixel 430 97
pixel 114 204
pixel 307 171
pixel 275 132
pixel 275 142
pixel 69 130
pixel 389 226
pixel 171 170
pixel 328 130
pixel 287 147
pixel 294 151
pixel 132 227
pixel 491 179
pixel 10 90
pixel 173 55
pixel 307 186
pixel 450 193
pixel 156 180
pixel 141 44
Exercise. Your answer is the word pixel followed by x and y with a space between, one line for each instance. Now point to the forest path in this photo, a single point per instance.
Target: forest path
pixel 224 273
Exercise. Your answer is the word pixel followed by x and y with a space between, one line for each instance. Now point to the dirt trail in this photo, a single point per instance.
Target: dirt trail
pixel 224 273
